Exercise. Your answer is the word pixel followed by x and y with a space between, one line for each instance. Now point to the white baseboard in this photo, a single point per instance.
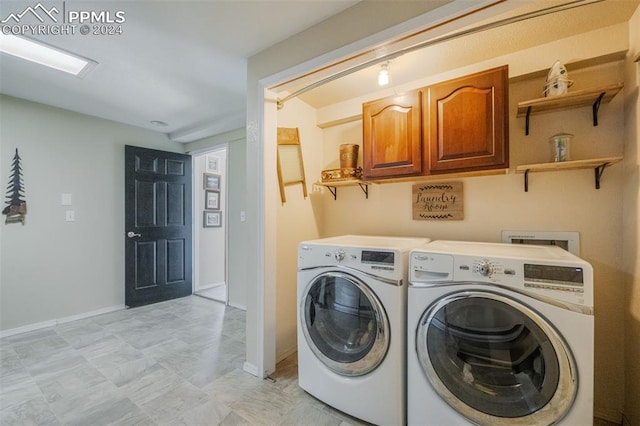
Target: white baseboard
pixel 608 414
pixel 250 368
pixel 27 328
pixel 208 286
pixel 58 321
pixel 285 354
pixel 237 305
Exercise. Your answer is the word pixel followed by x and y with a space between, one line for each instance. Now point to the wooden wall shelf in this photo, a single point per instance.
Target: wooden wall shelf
pixel 597 164
pixel 333 186
pixel 593 97
pixel 441 176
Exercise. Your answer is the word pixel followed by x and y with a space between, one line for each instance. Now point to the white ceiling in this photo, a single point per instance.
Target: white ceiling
pixel 184 62
pixel 491 43
pixel 181 62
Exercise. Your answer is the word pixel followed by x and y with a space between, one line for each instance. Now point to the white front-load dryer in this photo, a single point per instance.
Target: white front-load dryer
pixel 352 295
pixel 499 334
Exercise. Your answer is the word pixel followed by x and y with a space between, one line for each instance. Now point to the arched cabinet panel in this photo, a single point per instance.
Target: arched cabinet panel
pixel 466 122
pixel 392 136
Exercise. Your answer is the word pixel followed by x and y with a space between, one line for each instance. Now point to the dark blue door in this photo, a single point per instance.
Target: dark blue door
pixel 158 226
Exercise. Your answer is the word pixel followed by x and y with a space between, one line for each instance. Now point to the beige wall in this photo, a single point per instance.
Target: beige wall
pixel 631 235
pixel 298 219
pixel 559 201
pixel 53 270
pixel 496 202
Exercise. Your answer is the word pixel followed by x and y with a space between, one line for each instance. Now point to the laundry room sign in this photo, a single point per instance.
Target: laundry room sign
pixel 438 201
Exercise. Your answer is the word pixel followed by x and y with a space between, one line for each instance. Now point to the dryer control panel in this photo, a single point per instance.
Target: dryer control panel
pixel 386 263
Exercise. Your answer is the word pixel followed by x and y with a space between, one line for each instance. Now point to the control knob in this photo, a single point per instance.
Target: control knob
pixel 339 255
pixel 484 268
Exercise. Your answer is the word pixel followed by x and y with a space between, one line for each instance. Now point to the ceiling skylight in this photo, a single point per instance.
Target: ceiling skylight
pixel 41 53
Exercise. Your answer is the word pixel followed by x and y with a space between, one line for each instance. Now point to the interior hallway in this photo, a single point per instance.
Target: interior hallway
pixel 171 363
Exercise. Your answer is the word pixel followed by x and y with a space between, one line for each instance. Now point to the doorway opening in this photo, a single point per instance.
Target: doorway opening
pixel 210 230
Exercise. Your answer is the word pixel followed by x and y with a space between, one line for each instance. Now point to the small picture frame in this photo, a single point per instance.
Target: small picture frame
pixel 213 164
pixel 212 219
pixel 211 181
pixel 212 200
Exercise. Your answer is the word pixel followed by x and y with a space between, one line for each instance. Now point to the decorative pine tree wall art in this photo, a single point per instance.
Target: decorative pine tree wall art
pixel 16 208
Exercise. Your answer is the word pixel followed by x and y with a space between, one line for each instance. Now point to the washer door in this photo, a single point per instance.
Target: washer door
pixel 495 360
pixel 344 323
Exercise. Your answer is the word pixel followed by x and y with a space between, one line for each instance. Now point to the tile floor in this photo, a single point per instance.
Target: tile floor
pixel 171 363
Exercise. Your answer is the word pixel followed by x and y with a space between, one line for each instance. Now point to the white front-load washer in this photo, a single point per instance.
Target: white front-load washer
pixel 352 295
pixel 499 334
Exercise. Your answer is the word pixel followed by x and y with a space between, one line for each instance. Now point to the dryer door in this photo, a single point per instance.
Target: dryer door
pixel 495 360
pixel 344 323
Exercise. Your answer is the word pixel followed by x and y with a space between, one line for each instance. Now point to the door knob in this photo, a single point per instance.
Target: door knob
pixel 132 234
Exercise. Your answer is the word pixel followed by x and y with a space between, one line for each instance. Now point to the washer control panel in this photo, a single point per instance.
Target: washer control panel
pixel 339 255
pixel 563 280
pixel 483 268
pixel 488 268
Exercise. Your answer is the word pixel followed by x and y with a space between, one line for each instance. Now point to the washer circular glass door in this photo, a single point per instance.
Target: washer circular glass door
pixel 496 361
pixel 344 323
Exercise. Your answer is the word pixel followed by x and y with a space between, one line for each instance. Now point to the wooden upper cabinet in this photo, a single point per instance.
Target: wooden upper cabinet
pixel 466 122
pixel 392 136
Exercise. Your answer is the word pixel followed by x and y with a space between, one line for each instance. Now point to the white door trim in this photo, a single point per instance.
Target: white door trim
pixel 387 42
pixel 197 214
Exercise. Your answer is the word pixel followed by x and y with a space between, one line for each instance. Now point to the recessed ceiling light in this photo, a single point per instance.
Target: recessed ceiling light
pixel 43 54
pixel 159 123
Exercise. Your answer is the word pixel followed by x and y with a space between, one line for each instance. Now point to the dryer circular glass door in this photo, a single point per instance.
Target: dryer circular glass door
pixel 495 360
pixel 344 323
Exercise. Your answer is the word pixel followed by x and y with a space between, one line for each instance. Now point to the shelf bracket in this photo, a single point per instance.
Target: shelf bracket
pixel 526 180
pixel 598 173
pixel 596 107
pixel 526 121
pixel 365 189
pixel 334 191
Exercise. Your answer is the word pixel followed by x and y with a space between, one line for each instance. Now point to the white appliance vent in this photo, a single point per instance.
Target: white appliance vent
pixel 568 240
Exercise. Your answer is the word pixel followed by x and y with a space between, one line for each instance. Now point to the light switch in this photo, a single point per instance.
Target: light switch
pixel 243 216
pixel 66 200
pixel 70 216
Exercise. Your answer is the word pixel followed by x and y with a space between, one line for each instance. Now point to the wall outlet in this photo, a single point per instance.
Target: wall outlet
pixel 70 216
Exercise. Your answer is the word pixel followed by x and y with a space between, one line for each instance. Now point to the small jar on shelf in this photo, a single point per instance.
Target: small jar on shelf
pixel 560 146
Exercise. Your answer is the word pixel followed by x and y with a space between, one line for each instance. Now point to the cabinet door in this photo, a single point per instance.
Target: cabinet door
pixel 392 136
pixel 467 121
